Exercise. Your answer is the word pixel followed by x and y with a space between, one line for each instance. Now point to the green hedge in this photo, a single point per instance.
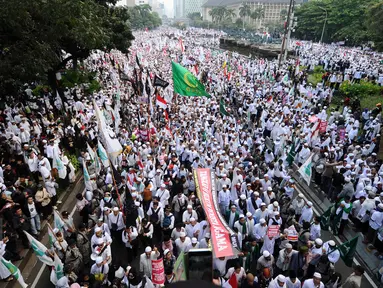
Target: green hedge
pixel 364 89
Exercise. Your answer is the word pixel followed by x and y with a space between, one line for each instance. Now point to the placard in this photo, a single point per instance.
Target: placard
pixel 273 231
pixel 158 272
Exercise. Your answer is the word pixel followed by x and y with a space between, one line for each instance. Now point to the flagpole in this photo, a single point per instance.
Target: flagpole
pixel 115 185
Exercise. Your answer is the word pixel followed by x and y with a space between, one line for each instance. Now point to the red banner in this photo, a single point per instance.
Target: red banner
pixel 273 231
pixel 342 133
pixel 322 127
pixel 292 234
pixel 223 238
pixel 158 272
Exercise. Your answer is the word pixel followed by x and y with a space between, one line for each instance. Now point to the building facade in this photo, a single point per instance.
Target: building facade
pixel 183 7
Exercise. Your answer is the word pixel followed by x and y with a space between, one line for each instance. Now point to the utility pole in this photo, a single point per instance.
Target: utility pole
pixel 287 29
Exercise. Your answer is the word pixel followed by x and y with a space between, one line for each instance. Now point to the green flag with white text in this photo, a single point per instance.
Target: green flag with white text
pixel 347 251
pixel 185 83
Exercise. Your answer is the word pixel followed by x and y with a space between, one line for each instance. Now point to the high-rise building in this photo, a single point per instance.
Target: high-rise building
pixel 179 8
pixel 129 3
pixel 192 6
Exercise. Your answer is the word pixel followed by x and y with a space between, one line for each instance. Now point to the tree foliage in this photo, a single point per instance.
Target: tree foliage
pixel 346 20
pixel 221 13
pixel 38 37
pixel 375 24
pixel 141 17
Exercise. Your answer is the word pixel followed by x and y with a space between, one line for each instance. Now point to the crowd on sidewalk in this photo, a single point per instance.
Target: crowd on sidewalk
pixel 142 204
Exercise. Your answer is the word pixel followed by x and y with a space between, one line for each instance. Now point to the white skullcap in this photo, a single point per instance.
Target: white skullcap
pixel 194 240
pixel 243 197
pixel 192 219
pixel 262 221
pixel 331 243
pixel 248 214
pixel 189 207
pixel 288 246
pixel 99 260
pixel 148 249
pixel 281 278
pixel 97 229
pixel 56 230
pixel 166 251
pixel 241 216
pixel 115 209
pixel 317 275
pixel 182 234
pixel 266 254
pixel 319 241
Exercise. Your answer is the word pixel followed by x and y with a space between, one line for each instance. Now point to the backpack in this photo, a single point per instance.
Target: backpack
pixel 167 221
pixel 154 216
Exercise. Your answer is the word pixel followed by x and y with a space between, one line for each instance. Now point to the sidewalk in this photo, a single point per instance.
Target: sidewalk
pixel 27 265
pixel 367 259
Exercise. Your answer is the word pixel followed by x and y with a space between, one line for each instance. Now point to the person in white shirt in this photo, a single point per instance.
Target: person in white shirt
pixel 223 199
pixel 205 242
pixel 182 243
pixel 100 271
pixel 33 216
pixel 116 224
pixel 128 237
pixel 163 195
pixel 193 245
pixel 260 230
pixel 193 229
pixel 331 250
pixel 315 229
pixel 292 281
pixel 375 223
pixel 238 271
pixel 146 260
pixel 189 213
pixel 307 213
pixel 278 282
pixel 315 282
pixel 98 233
pixel 103 250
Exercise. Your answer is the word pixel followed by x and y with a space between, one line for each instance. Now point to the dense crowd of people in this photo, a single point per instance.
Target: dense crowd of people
pixel 142 204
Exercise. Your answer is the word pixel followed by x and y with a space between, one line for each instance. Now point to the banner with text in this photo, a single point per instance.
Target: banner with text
pixel 224 240
pixel 158 272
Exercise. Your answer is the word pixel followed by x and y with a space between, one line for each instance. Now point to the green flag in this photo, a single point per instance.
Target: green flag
pixel 14 271
pixel 325 219
pixel 222 108
pixel 291 156
pixel 347 251
pixel 185 83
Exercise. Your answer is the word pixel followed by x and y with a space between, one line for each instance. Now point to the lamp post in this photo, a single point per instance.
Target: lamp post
pixel 324 23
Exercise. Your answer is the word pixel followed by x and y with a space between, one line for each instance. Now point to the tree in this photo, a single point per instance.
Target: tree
pixel 229 14
pixel 38 37
pixel 244 11
pixel 258 13
pixel 218 13
pixel 141 17
pixel 283 14
pixel 195 16
pixel 375 24
pixel 346 20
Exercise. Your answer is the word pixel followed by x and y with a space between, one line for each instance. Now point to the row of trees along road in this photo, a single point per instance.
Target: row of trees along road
pixel 35 36
pixel 355 22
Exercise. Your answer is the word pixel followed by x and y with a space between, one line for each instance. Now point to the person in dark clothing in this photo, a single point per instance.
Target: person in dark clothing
pixel 337 182
pixel 249 282
pixel 20 224
pixel 22 169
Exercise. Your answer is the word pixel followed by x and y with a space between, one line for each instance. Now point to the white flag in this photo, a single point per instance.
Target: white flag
pixel 39 250
pixel 103 156
pixel 58 164
pixel 305 170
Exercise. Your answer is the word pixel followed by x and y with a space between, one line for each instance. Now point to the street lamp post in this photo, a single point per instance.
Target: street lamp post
pixel 324 24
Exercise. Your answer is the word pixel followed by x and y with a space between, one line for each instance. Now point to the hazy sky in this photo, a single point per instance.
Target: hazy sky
pixel 169 7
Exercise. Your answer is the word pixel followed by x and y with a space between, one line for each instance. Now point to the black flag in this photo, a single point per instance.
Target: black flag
pixel 147 87
pixel 138 61
pixel 159 82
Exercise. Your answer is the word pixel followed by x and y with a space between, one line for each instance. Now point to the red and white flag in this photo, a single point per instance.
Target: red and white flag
pixel 161 102
pixel 182 45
